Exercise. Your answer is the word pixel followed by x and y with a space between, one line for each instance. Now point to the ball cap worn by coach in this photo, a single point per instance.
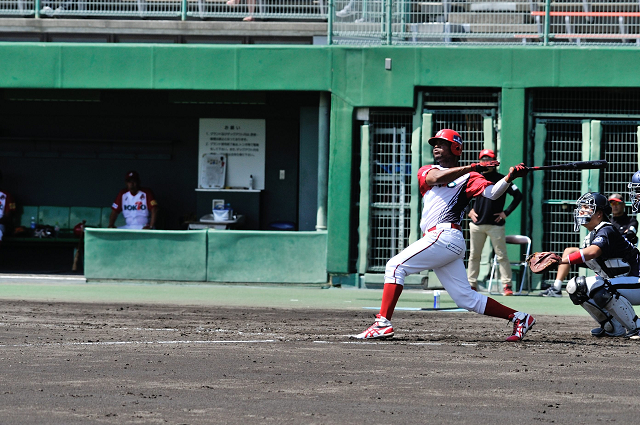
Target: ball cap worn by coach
pixel 615 197
pixel 451 136
pixel 487 152
pixel 132 176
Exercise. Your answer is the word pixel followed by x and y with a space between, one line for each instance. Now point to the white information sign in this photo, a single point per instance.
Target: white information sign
pixel 241 142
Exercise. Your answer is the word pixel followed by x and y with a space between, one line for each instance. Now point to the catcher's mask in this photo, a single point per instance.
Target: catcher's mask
pixel 586 207
pixel 634 191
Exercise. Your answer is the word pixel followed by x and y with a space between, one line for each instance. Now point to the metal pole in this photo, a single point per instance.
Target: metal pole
pixel 330 23
pixel 38 6
pixel 390 20
pixel 184 10
pixel 547 23
pixel 323 160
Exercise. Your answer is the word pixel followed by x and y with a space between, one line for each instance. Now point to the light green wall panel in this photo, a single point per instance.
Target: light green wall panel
pixel 88 66
pixel 512 151
pixel 145 254
pixel 339 192
pixel 266 257
pixel 175 69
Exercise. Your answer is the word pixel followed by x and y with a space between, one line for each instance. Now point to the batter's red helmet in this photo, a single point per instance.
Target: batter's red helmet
pixel 487 152
pixel 451 136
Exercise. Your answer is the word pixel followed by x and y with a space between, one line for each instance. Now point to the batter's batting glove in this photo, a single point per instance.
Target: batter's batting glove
pixel 481 167
pixel 519 170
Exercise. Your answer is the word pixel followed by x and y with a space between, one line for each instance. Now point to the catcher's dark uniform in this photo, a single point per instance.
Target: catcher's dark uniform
pixel 619 257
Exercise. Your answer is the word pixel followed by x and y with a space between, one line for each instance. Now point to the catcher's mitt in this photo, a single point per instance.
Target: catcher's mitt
pixel 539 262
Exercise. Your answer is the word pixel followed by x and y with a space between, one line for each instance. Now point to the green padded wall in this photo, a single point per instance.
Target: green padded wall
pixel 145 254
pixel 267 257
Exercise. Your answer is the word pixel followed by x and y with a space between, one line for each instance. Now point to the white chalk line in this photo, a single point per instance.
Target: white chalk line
pixel 137 343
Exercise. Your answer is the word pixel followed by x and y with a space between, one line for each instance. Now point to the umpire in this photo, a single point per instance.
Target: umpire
pixel 488 218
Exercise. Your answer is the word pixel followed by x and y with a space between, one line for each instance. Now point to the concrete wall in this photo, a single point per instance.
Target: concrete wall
pixel 206 255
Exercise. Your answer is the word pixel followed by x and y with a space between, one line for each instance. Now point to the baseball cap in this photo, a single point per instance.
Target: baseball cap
pixel 132 176
pixel 616 197
pixel 487 152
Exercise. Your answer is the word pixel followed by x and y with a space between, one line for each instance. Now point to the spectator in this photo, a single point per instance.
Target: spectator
pixel 137 204
pixel 7 209
pixel 627 226
pixel 488 218
pixel 251 6
pixel 349 10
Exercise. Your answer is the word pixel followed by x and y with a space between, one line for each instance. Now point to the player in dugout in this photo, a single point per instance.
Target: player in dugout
pixel 137 204
pixel 446 190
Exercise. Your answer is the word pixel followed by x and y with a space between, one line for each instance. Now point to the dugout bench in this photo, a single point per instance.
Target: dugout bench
pixel 22 252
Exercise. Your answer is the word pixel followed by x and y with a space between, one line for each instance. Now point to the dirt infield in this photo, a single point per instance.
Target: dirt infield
pixel 114 363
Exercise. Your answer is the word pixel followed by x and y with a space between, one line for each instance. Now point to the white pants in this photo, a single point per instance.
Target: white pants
pixel 442 251
pixel 132 226
pixel 478 234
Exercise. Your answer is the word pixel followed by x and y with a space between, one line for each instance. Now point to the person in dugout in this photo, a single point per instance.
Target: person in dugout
pixel 137 204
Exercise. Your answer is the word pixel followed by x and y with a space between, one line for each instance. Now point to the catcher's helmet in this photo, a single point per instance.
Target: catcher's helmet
pixel 586 207
pixel 634 191
pixel 451 136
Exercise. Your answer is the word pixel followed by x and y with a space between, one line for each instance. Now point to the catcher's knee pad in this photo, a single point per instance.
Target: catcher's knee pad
pixel 577 290
pixel 601 297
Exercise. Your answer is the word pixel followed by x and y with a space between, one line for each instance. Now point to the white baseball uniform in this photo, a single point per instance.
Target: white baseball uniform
pixel 442 246
pixel 136 208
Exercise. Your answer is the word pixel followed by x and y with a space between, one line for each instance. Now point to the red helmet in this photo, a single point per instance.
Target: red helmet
pixel 487 152
pixel 450 136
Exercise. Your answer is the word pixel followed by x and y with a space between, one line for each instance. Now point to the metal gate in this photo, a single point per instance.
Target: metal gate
pixel 560 141
pixel 390 190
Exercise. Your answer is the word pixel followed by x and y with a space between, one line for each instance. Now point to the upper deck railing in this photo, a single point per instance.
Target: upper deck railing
pixel 385 22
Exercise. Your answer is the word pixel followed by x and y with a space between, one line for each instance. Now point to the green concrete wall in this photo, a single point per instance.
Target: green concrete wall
pixel 355 76
pixel 201 255
pixel 267 257
pixel 145 254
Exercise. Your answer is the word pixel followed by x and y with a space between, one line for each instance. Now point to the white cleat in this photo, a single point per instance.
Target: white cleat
pixel 380 329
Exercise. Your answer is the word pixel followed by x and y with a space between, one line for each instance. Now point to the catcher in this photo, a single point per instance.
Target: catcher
pixel 616 262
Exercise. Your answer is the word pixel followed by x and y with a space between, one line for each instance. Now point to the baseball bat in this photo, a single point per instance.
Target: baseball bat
pixel 578 165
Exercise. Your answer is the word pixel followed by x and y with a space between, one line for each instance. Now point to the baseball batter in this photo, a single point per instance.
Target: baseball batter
pixel 137 204
pixel 446 190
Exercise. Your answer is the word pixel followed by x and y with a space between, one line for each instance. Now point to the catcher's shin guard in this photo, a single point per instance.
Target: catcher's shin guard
pixel 609 325
pixel 619 307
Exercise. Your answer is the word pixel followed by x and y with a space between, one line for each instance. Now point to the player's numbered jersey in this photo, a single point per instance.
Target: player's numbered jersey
pixel 6 203
pixel 135 208
pixel 447 203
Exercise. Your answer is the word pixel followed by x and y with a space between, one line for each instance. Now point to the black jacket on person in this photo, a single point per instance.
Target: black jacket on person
pixel 486 208
pixel 623 223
